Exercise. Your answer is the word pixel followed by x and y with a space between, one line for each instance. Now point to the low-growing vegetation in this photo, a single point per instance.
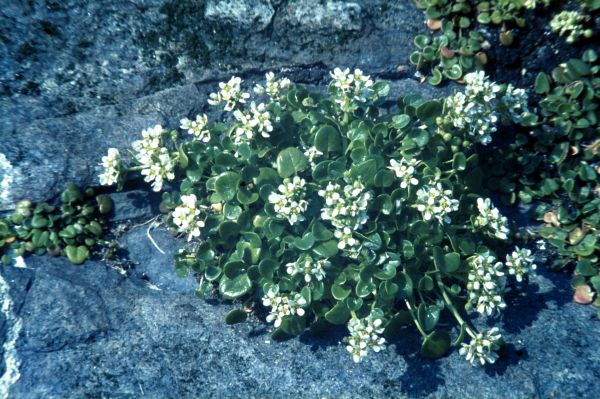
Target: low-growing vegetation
pixel 324 210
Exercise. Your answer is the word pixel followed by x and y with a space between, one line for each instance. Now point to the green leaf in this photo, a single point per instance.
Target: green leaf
pixel 436 344
pixel 227 185
pixel 400 121
pixel 428 316
pixel 542 83
pixel 77 255
pixel 327 249
pixel 338 315
pixel 39 221
pixel 585 268
pixel 236 316
pixel 267 267
pixel 228 230
pixel 105 204
pixel 459 161
pixel 429 111
pixel 340 292
pixel 306 242
pixel 235 288
pixel 293 325
pixel 183 159
pixel 586 246
pixel 328 139
pixel 365 171
pixel 321 233
pixel 291 161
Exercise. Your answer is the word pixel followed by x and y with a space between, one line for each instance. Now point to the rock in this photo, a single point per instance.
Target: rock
pixel 324 17
pixel 253 15
pixel 90 330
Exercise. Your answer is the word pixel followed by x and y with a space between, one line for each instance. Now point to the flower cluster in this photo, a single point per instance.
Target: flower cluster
pixel 186 217
pixel 474 110
pixel 231 94
pixel 486 283
pixel 435 202
pixel 569 23
pixel 350 87
pixel 365 334
pixel 311 154
pixel 282 306
pixel 197 128
pixel 520 263
pixel 483 347
pixel 347 242
pixel 256 120
pixel 156 161
pixel 405 171
pixel 516 102
pixel 347 206
pixel 274 87
pixel 289 203
pixel 111 164
pixel 489 216
pixel 308 267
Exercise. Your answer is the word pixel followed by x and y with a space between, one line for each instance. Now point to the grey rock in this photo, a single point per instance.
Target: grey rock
pixel 329 17
pixel 253 15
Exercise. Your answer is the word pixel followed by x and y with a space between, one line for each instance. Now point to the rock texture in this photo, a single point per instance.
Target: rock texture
pixel 77 77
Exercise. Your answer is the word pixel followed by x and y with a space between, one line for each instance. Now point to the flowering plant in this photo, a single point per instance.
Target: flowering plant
pixel 326 211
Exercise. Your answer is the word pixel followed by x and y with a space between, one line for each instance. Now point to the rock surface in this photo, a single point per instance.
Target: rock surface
pixel 79 77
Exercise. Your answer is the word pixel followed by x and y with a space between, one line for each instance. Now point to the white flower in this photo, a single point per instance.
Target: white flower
pixel 111 164
pixel 486 284
pixel 245 131
pixel 149 145
pixel 405 171
pixel 260 119
pixel 282 306
pixel 187 217
pixel 160 169
pixel 231 94
pixel 483 348
pixel 289 203
pixel 309 268
pixel 197 127
pixel 311 153
pixel 515 100
pixel 365 335
pixel 347 206
pixel 474 110
pixel 541 244
pixel 350 87
pixel 274 87
pixel 520 263
pixel 489 216
pixel 435 202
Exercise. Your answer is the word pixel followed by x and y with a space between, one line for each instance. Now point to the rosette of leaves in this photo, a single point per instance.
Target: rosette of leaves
pixel 449 55
pixel 557 165
pixel 70 229
pixel 359 249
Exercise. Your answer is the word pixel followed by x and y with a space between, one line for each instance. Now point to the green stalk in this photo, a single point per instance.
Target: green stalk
pixel 412 314
pixel 452 309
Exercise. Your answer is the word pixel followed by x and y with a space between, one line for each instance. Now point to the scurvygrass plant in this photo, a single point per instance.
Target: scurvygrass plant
pixel 557 166
pixel 71 229
pixel 324 210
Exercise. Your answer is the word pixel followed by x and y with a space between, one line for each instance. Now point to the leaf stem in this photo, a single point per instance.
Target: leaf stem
pixel 412 314
pixel 452 309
